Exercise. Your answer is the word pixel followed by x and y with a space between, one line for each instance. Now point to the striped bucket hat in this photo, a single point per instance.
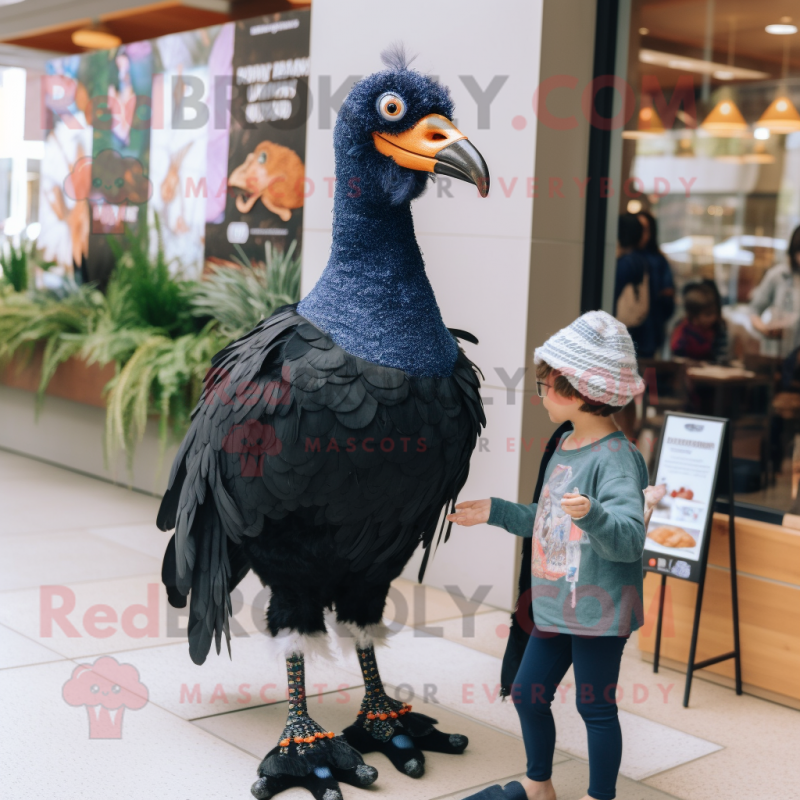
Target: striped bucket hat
pixel 596 355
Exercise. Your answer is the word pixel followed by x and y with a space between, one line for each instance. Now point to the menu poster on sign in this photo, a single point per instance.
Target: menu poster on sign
pixel 687 467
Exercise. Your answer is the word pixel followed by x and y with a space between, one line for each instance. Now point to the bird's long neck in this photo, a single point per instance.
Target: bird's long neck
pixel 374 298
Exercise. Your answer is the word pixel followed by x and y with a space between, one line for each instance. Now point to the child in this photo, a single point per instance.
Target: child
pixel 588 534
pixel 700 334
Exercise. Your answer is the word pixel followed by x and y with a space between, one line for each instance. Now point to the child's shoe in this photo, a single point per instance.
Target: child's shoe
pixel 511 791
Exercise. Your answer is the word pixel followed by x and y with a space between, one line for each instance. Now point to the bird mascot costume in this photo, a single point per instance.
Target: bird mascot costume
pixel 330 440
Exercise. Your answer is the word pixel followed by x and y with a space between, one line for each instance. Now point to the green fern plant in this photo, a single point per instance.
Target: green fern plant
pixel 62 324
pixel 162 376
pixel 159 332
pixel 144 286
pixel 240 298
pixel 14 264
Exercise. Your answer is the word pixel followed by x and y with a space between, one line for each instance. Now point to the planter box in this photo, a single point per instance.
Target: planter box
pixel 70 428
pixel 73 380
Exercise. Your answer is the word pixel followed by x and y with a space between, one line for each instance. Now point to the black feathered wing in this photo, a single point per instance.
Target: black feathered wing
pixel 292 425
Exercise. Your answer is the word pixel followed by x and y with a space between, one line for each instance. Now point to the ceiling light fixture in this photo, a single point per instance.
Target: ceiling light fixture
pixel 96 36
pixel 781 116
pixel 781 30
pixel 649 123
pixel 725 119
pixel 698 65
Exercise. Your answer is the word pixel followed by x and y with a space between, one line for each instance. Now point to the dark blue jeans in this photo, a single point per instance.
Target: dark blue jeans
pixel 547 658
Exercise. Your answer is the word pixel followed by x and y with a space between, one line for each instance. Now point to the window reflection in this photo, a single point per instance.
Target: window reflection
pixel 711 175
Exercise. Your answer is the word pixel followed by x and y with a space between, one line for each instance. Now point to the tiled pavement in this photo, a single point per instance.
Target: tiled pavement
pixel 89 551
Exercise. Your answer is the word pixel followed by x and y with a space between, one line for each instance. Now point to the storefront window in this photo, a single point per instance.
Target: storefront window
pixel 711 164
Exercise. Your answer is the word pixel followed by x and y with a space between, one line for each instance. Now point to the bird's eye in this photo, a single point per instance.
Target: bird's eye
pixel 262 158
pixel 391 107
pixel 116 689
pixel 119 182
pixel 95 688
pixel 97 182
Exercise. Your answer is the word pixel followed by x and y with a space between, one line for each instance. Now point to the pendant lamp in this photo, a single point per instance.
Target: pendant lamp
pixel 648 123
pixel 725 118
pixel 781 116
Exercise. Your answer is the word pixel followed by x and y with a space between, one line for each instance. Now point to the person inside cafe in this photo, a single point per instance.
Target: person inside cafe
pixel 662 289
pixel 779 295
pixel 701 334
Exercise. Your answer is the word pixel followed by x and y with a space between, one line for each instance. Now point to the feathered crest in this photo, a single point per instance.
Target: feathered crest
pixel 395 58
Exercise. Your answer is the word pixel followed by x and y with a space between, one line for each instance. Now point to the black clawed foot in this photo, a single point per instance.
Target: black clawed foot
pixel 400 749
pixel 439 742
pixel 317 768
pixel 320 782
pixel 268 786
pixel 362 775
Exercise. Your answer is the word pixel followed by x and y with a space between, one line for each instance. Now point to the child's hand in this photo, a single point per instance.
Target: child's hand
pixel 576 505
pixel 652 497
pixel 471 512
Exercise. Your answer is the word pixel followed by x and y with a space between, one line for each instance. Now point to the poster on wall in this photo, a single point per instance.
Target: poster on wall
pixel 179 147
pixel 120 84
pixel 265 169
pixel 64 211
pixel 201 133
pixel 687 466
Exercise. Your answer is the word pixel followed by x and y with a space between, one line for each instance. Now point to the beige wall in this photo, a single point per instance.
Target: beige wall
pixel 507 268
pixel 556 253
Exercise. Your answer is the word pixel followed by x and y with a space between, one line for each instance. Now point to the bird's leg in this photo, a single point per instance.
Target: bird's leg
pixel 392 728
pixel 378 710
pixel 307 755
pixel 301 731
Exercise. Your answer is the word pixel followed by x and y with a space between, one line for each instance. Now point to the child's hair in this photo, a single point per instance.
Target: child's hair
pixel 563 387
pixel 697 299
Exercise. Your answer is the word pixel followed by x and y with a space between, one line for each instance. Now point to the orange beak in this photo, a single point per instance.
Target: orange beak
pixel 434 144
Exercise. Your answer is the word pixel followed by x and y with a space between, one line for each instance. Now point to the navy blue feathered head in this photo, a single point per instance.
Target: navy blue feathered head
pixel 394 131
pixel 374 299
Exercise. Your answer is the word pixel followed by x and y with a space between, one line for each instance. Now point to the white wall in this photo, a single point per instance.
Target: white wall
pixel 477 251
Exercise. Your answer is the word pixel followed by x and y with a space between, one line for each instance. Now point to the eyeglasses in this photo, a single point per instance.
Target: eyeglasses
pixel 542 387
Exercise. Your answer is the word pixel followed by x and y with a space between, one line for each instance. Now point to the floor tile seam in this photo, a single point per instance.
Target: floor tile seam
pixel 309 697
pixel 83 583
pixel 678 766
pixel 33 641
pixel 76 529
pixel 720 748
pixel 128 649
pixel 83 474
pixel 432 622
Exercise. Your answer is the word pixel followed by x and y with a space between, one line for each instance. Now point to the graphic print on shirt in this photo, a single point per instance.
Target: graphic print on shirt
pixel 556 539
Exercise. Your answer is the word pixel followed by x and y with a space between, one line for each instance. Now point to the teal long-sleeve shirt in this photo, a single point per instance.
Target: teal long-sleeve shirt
pixel 586 574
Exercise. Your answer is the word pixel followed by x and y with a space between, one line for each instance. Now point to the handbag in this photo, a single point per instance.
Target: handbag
pixel 633 303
